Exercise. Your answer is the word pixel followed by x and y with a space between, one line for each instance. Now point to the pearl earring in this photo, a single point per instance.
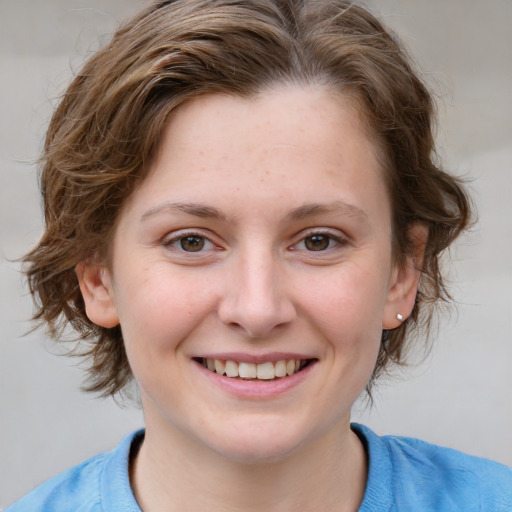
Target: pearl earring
pixel 399 317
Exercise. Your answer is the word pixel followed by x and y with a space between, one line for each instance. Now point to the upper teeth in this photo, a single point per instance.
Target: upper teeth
pixel 265 371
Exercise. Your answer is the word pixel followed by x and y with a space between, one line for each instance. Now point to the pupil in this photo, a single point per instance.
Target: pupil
pixel 317 242
pixel 192 243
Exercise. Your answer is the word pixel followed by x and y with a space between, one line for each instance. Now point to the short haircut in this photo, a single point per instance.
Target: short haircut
pixel 110 120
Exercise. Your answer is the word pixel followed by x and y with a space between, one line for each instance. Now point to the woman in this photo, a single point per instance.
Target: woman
pixel 243 215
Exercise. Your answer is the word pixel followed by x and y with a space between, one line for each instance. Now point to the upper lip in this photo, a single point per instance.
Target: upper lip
pixel 255 358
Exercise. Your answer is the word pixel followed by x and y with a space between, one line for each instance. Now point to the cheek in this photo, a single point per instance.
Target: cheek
pixel 159 308
pixel 349 303
pixel 347 312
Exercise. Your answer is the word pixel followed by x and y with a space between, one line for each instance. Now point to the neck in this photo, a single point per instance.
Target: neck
pixel 171 474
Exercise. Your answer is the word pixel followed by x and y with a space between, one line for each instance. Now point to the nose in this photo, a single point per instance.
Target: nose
pixel 256 300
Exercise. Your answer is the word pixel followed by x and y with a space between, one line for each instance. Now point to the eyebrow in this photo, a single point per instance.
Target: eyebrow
pixel 337 207
pixel 299 213
pixel 198 210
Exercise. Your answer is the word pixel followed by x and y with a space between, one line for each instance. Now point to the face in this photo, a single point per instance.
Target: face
pixel 258 245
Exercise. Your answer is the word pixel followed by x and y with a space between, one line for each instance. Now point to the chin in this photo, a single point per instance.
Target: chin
pixel 257 453
pixel 257 443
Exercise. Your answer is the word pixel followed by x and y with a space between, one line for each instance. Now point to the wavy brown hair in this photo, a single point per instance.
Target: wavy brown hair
pixel 111 118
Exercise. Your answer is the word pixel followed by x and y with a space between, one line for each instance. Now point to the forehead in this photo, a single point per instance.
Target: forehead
pixel 284 114
pixel 302 144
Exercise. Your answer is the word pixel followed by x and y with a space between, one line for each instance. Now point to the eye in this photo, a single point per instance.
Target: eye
pixel 189 242
pixel 192 243
pixel 319 242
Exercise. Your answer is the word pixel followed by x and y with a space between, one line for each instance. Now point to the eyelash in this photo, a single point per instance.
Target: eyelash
pixel 331 237
pixel 174 240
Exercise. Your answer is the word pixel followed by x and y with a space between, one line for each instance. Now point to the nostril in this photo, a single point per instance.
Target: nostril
pixel 256 306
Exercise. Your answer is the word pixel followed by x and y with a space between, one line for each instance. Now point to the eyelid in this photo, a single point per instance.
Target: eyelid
pixel 173 237
pixel 331 233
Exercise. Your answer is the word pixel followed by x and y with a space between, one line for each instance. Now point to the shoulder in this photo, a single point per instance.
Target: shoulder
pixel 74 490
pixel 430 477
pixel 87 487
pixel 461 477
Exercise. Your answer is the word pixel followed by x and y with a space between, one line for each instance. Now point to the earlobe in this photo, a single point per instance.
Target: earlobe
pixel 96 287
pixel 405 280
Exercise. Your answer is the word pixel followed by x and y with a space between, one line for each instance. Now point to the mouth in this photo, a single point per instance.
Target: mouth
pixel 266 371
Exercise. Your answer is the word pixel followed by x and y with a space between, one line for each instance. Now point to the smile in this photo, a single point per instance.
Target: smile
pixel 268 370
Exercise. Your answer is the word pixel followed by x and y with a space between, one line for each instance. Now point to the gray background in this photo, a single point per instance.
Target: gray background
pixel 459 397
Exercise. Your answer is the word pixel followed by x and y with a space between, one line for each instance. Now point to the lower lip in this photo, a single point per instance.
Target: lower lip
pixel 256 389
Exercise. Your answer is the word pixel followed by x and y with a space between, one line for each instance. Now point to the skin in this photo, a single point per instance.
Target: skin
pixel 253 180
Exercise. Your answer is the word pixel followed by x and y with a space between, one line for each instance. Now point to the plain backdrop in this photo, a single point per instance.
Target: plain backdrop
pixel 459 397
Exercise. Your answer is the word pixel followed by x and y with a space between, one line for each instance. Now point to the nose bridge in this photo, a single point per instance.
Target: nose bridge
pixel 257 300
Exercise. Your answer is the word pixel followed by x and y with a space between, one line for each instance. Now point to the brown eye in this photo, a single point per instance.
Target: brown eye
pixel 192 243
pixel 317 242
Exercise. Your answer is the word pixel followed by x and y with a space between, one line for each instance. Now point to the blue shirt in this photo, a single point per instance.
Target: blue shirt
pixel 405 475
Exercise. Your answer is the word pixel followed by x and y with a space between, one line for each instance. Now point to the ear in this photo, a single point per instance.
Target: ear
pixel 96 287
pixel 404 281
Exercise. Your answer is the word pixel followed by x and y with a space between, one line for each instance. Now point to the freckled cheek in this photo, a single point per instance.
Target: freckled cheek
pixel 347 308
pixel 162 312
